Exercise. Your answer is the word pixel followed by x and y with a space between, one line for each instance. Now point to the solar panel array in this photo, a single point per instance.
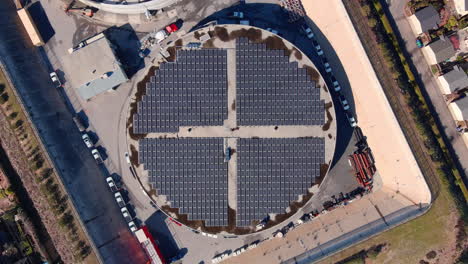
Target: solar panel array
pixel 192 91
pixel 192 173
pixel 271 173
pixel 273 91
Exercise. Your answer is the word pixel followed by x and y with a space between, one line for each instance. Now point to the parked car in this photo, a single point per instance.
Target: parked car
pixel 318 49
pixel 87 140
pixel 308 31
pixel 344 102
pixel 274 31
pixel 132 226
pixel 351 119
pixel 171 28
pixel 55 79
pixel 326 65
pixel 97 156
pixel 126 214
pixel 336 84
pixel 239 15
pixel 119 198
pixel 127 157
pixel 111 184
pixel 78 123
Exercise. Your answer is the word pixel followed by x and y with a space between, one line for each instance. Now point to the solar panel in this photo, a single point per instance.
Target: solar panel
pixel 271 187
pixel 169 88
pixel 183 164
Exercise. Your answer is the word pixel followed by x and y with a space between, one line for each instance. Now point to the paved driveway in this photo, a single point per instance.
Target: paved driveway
pixel 430 85
pixel 81 176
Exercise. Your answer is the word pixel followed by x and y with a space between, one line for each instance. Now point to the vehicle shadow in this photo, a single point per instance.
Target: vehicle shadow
pixel 39 16
pixel 157 225
pixel 127 46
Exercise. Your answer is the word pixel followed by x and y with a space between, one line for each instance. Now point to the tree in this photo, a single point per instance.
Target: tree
pixel 366 10
pixel 372 22
pixel 4 98
pixel 451 23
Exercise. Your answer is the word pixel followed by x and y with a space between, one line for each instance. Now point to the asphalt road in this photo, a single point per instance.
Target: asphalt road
pixel 83 178
pixel 430 85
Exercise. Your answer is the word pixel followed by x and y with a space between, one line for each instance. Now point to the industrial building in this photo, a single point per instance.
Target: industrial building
pixel 95 75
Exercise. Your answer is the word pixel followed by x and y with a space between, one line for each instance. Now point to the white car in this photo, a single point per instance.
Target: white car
pixel 119 198
pixel 336 84
pixel 126 214
pixel 351 119
pixel 132 226
pixel 318 49
pixel 55 79
pixel 87 140
pixel 111 184
pixel 127 157
pixel 308 31
pixel 326 65
pixel 344 102
pixel 97 156
pixel 273 31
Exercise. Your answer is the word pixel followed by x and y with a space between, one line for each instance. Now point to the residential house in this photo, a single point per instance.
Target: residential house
pixel 455 79
pixel 425 19
pixel 439 51
pixel 460 109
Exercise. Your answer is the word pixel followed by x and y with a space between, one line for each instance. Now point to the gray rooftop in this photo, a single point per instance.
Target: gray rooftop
pixel 428 17
pixel 463 105
pixel 456 78
pixel 443 49
pixel 98 69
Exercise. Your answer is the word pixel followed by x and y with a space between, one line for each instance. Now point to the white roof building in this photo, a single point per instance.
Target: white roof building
pixel 461 6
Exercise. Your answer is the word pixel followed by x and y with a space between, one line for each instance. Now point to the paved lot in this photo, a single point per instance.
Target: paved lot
pixel 82 177
pixel 429 83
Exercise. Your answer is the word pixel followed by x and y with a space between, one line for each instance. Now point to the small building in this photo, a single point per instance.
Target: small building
pixel 439 51
pixel 461 6
pixel 460 109
pixel 97 68
pixel 425 19
pixel 455 79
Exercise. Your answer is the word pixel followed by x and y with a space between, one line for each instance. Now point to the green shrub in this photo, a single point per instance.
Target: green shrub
pixel 4 98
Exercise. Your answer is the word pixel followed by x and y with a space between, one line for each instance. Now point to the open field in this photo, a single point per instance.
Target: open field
pixel 410 242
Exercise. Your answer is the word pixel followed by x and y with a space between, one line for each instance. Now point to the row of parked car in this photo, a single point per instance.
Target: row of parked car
pixel 337 201
pixel 336 85
pixel 109 180
pixel 227 254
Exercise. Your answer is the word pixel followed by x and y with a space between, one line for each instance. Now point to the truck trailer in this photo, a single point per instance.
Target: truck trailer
pixel 30 27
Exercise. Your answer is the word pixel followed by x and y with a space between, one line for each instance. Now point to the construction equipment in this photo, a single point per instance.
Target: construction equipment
pixel 82 11
pixel 362 163
pixel 85 11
